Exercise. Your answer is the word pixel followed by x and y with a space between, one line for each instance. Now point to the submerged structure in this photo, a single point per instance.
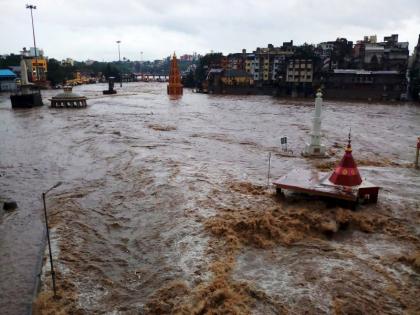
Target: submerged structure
pixel 28 95
pixel 110 90
pixel 315 148
pixel 344 183
pixel 175 87
pixel 68 99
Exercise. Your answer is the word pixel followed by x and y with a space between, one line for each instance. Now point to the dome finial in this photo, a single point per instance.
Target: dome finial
pixel 348 149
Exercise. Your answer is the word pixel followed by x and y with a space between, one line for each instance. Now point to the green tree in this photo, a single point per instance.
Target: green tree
pixel 55 74
pixel 205 64
pixel 188 80
pixel 415 84
pixel 10 60
pixel 111 70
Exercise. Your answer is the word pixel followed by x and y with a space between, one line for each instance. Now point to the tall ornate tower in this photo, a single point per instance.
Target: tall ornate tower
pixel 315 148
pixel 174 86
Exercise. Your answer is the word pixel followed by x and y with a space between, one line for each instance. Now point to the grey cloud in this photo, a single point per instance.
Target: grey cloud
pixel 158 27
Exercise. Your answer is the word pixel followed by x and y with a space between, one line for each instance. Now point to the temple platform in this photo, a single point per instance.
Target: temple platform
pixel 317 184
pixel 26 100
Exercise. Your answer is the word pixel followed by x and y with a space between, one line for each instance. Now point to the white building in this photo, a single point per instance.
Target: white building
pixel 67 62
pixel 39 52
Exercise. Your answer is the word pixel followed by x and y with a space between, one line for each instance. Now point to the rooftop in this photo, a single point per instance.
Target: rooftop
pixel 236 73
pixel 7 73
pixel 357 71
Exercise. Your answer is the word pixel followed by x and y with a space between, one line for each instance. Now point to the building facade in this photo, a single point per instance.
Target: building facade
pixel 269 63
pixel 7 80
pixel 36 63
pixel 299 70
pixel 364 84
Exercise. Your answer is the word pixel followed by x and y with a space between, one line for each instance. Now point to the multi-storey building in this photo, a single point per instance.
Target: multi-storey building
pixel 236 61
pixel 252 66
pixel 68 62
pixel 387 55
pixel 271 62
pixel 278 73
pixel 335 54
pixel 396 54
pixel 325 49
pixel 299 71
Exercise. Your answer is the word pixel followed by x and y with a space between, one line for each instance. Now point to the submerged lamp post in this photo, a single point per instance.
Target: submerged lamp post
pixel 33 7
pixel 119 59
pixel 48 236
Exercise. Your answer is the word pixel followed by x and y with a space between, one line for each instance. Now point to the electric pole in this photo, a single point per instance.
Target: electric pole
pixel 119 59
pixel 33 7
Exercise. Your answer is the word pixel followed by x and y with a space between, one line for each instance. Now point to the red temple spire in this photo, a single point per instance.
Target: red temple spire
pixel 174 86
pixel 346 173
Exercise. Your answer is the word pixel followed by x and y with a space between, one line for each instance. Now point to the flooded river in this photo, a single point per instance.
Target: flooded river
pixel 164 207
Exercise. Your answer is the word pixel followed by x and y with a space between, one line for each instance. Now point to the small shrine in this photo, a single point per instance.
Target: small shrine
pixel 344 183
pixel 174 87
pixel 315 148
pixel 68 99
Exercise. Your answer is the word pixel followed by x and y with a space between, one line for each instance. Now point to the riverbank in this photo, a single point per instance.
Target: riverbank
pixel 332 94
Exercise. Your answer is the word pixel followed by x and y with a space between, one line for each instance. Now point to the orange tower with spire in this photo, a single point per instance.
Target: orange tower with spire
pixel 174 87
pixel 346 173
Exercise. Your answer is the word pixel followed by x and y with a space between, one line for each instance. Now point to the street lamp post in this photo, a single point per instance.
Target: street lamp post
pixel 48 236
pixel 33 7
pixel 141 63
pixel 119 59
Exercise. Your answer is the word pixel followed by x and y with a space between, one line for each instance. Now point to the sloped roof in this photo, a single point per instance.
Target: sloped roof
pixel 6 73
pixel 216 70
pixel 360 71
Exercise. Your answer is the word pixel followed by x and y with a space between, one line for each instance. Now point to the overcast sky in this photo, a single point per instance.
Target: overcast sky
pixel 88 29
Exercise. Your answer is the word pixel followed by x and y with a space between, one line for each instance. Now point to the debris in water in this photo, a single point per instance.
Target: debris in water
pixel 9 205
pixel 158 127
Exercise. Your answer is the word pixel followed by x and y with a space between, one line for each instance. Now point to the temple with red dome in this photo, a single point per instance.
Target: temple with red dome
pixel 346 173
pixel 344 183
pixel 174 87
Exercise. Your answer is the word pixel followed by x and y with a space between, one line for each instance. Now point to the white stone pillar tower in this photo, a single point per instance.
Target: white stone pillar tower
pixel 23 72
pixel 24 82
pixel 315 148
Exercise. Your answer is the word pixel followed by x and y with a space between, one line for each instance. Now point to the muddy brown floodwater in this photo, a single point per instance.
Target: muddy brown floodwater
pixel 164 209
